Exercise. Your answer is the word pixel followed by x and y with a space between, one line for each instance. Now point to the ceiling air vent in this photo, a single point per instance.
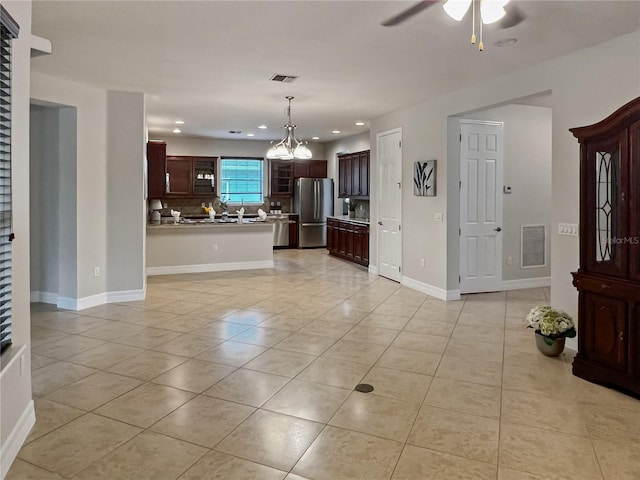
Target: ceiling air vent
pixel 278 77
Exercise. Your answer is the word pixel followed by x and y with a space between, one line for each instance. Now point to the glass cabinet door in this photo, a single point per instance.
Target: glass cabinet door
pixel 606 191
pixel 634 204
pixel 204 176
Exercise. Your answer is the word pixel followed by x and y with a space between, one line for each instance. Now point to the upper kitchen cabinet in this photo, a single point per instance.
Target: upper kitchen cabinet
pixel 179 176
pixel 353 175
pixel 190 176
pixel 204 175
pixel 283 172
pixel 310 169
pixel 280 177
pixel 156 169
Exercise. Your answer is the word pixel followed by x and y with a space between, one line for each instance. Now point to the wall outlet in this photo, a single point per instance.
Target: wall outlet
pixel 165 205
pixel 509 260
pixel 215 247
pixel 422 262
pixel 96 271
pixel 438 216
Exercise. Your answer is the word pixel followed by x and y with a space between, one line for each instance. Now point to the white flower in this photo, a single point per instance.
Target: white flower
pixel 551 322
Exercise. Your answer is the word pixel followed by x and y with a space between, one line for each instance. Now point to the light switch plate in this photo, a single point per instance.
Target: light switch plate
pixel 570 229
pixel 438 216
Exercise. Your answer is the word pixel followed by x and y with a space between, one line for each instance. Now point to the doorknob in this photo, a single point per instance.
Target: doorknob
pixel 379 223
pixel 498 229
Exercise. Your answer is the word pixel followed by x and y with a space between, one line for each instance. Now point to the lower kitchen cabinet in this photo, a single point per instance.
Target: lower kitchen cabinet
pixel 348 240
pixel 293 231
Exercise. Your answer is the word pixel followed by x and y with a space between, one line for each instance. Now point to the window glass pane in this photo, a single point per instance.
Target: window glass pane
pixel 241 180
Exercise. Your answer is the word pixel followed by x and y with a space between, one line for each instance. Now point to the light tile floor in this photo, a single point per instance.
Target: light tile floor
pixel 250 375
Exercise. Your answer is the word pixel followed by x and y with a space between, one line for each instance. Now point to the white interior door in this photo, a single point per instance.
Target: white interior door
pixel 389 151
pixel 480 206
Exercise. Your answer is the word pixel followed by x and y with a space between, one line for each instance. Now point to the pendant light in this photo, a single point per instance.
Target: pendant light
pixel 490 11
pixel 289 147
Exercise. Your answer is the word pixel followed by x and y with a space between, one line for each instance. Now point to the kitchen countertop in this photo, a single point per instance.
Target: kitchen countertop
pixel 246 223
pixel 345 218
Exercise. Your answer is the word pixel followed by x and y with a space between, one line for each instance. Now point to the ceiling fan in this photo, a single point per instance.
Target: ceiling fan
pixel 490 11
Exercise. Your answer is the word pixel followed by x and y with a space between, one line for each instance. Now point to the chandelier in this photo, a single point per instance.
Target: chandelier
pixel 289 147
pixel 490 11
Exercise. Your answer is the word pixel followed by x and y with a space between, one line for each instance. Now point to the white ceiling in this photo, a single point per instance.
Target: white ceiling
pixel 208 62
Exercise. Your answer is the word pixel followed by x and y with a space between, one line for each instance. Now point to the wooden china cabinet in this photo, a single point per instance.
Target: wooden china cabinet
pixel 608 280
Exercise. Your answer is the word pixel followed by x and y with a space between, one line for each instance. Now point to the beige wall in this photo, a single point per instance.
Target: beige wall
pixel 16 407
pixel 125 214
pixel 90 173
pixel 583 92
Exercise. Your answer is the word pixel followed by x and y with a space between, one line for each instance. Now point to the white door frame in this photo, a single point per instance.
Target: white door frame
pixel 495 283
pixel 380 184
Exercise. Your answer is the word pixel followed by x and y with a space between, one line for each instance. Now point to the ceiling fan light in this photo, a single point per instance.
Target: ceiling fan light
pixel 456 9
pixel 492 10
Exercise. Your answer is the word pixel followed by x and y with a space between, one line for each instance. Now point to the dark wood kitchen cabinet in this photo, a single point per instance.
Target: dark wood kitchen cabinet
pixel 156 169
pixel 348 240
pixel 608 280
pixel 353 175
pixel 190 176
pixel 280 178
pixel 179 176
pixel 282 173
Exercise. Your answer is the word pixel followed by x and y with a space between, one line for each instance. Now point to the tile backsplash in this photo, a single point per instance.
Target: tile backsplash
pixel 193 206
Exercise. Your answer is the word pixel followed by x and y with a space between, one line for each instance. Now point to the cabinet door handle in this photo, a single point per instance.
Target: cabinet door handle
pixel 621 336
pixel 379 223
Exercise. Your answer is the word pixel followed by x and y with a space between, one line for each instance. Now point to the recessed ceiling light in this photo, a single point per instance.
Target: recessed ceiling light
pixel 262 127
pixel 315 138
pixel 359 124
pixel 179 122
pixel 177 130
pixel 335 131
pixel 250 135
pixel 506 42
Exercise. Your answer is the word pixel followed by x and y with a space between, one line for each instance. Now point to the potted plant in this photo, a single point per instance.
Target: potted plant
pixel 353 204
pixel 552 326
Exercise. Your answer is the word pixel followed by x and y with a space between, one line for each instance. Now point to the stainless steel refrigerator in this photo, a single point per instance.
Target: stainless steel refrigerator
pixel 313 201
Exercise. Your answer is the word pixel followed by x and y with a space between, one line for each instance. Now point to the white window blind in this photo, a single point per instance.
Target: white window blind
pixel 241 179
pixel 8 31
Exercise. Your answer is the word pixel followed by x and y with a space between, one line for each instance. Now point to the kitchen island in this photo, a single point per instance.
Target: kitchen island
pixel 209 247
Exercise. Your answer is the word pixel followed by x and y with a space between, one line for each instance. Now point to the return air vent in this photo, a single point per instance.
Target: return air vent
pixel 278 77
pixel 533 246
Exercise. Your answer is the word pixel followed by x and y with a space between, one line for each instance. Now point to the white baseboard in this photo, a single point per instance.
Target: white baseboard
pixel 126 295
pixel 9 450
pixel 44 297
pixel 76 304
pixel 210 267
pixel 373 269
pixel 431 290
pixel 526 283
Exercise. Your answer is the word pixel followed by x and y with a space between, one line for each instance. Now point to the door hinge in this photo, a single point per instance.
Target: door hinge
pixel 459 231
pixel 400 143
pixel 399 269
pixel 460 185
pixel 459 280
pixel 460 138
pixel 399 228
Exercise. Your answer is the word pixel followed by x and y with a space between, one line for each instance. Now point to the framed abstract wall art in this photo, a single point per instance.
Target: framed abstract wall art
pixel 424 178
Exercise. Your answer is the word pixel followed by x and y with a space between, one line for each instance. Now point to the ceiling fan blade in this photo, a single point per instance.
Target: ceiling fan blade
pixel 408 13
pixel 513 17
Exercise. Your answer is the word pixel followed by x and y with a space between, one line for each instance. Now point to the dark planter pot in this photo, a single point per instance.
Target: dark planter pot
pixel 551 347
